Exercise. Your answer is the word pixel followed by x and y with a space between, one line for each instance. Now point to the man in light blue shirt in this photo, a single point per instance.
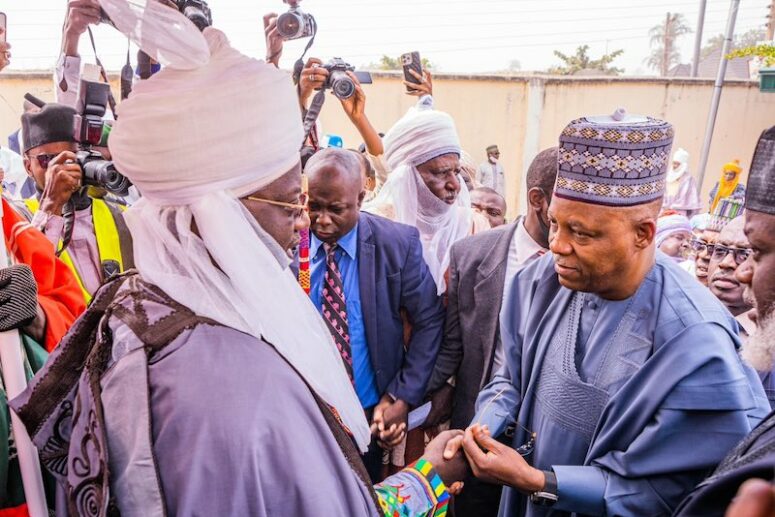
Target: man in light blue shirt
pixel 377 296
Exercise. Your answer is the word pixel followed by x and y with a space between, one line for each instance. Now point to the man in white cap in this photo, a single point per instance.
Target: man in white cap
pixel 424 188
pixel 207 384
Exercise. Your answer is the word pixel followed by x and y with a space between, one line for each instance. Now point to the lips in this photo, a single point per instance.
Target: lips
pixel 563 270
pixel 725 284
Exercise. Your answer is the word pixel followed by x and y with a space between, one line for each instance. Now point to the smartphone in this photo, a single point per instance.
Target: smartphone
pixel 4 27
pixel 411 61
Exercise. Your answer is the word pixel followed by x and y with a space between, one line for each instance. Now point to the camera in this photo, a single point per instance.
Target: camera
pixel 197 11
pixel 88 132
pixel 340 83
pixel 296 24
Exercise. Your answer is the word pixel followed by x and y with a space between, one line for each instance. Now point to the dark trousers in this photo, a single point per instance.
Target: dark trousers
pixel 478 499
pixel 373 457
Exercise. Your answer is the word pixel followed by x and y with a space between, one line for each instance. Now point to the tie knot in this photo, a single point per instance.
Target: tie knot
pixel 330 249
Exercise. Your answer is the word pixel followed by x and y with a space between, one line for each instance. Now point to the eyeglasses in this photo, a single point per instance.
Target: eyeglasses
pixel 698 246
pixel 740 254
pixel 43 158
pixel 296 209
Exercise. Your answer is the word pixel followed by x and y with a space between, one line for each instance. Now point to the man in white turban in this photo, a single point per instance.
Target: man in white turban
pixel 424 188
pixel 681 192
pixel 206 383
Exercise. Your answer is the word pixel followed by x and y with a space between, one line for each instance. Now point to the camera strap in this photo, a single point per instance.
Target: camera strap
pixel 127 75
pixel 299 65
pixel 111 99
pixel 311 116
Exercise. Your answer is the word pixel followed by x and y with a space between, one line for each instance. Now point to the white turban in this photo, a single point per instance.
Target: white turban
pixel 681 156
pixel 420 136
pixel 213 126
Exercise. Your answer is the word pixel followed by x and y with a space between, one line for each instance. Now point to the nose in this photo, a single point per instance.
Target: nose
pixel 728 262
pixel 453 184
pixel 322 219
pixel 744 272
pixel 558 244
pixel 302 222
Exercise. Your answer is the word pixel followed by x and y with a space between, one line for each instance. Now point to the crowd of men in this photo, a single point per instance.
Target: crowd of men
pixel 295 330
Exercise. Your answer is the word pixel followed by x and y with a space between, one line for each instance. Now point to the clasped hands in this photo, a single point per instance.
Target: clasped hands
pixel 488 459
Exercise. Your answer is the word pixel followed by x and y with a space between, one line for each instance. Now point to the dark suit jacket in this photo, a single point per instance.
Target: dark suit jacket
pixel 754 457
pixel 477 271
pixel 394 279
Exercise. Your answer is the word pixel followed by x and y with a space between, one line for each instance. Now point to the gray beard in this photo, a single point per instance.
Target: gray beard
pixel 759 350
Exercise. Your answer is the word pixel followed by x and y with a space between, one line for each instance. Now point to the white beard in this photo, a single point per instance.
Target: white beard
pixel 759 350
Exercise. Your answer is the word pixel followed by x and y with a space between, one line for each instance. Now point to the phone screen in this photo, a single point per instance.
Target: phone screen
pixel 4 27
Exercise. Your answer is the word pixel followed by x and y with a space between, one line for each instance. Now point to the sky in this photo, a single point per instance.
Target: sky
pixel 457 36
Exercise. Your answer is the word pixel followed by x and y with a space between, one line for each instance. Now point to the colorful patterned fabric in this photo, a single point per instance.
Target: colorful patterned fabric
pixel 618 160
pixel 335 308
pixel 761 178
pixel 416 491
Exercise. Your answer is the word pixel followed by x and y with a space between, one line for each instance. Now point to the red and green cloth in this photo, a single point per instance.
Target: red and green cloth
pixel 61 300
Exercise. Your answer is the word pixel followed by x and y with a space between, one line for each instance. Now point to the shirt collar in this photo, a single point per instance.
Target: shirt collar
pixel 349 243
pixel 525 244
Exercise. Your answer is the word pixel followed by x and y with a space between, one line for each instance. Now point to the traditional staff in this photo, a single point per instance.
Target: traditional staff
pixel 304 278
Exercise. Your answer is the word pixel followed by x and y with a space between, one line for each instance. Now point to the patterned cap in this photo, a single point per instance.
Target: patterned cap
pixel 616 160
pixel 760 196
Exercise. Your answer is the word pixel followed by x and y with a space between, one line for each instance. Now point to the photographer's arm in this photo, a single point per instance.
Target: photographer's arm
pixel 274 42
pixel 80 14
pixel 355 109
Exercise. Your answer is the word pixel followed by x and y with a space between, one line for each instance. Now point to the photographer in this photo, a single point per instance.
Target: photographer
pixel 100 246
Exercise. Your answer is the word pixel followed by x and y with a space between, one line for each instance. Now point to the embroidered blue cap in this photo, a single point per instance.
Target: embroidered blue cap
pixel 614 160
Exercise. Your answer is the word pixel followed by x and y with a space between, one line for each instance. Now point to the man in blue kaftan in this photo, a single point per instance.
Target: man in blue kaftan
pixel 622 381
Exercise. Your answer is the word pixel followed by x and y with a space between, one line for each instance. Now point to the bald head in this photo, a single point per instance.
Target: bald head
pixel 335 193
pixel 335 165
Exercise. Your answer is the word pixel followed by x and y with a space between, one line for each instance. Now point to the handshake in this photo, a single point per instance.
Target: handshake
pixel 452 453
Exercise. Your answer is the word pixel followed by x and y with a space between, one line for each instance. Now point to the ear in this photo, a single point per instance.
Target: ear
pixel 536 197
pixel 645 232
pixel 28 166
pixel 361 196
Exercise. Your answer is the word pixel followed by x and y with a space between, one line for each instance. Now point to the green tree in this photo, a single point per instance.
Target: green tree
pixel 393 63
pixel 581 60
pixel 664 50
pixel 745 40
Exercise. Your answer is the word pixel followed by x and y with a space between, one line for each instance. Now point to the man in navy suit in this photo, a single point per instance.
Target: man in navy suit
pixel 368 279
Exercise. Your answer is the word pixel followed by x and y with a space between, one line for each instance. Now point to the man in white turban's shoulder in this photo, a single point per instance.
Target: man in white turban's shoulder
pixel 424 188
pixel 206 383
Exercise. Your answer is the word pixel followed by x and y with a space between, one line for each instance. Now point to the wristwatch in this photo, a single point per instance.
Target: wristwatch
pixel 547 496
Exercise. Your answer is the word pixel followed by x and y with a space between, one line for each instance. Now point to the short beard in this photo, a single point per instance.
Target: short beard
pixel 759 350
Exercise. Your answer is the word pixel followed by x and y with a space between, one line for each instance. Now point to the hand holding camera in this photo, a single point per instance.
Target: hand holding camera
pixel 80 14
pixel 63 179
pixel 274 40
pixel 313 77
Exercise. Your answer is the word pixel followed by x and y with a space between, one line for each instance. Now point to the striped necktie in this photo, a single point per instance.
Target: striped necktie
pixel 335 308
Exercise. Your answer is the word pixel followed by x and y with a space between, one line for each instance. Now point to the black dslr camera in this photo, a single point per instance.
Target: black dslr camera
pixel 197 11
pixel 295 23
pixel 340 83
pixel 88 130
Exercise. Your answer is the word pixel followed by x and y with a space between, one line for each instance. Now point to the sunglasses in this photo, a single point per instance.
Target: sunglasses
pixel 295 209
pixel 43 159
pixel 740 254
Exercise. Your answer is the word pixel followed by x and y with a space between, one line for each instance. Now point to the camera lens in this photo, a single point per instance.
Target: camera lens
pixel 342 86
pixel 289 25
